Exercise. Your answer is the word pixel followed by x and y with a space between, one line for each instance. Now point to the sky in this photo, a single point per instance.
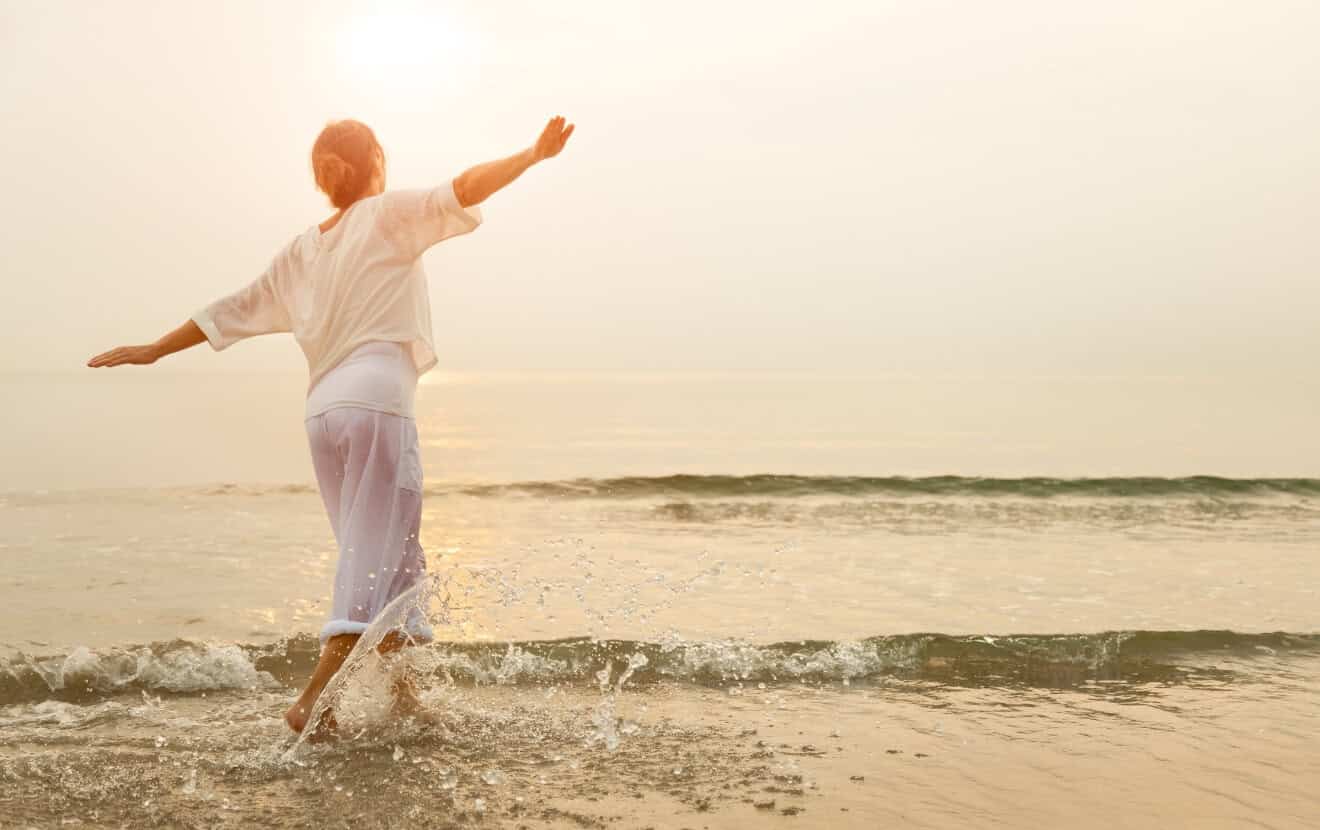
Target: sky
pixel 1121 188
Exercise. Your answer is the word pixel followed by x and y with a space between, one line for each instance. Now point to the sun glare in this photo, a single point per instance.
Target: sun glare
pixel 404 45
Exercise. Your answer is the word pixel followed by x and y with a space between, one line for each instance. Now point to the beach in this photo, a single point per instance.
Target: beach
pixel 662 644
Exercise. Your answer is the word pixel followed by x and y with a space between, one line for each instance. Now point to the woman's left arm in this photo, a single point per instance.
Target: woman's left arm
pixel 186 335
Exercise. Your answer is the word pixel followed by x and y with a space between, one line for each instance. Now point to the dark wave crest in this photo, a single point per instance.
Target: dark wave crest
pixel 794 486
pixel 1053 661
pixel 935 513
pixel 790 486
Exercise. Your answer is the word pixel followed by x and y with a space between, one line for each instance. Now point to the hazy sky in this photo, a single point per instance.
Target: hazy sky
pixel 1119 187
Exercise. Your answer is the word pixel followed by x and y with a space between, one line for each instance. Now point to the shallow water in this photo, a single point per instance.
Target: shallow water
pixel 622 646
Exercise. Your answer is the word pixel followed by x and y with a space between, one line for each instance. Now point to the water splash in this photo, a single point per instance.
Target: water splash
pixel 607 725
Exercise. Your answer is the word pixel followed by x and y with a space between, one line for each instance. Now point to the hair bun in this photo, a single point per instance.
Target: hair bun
pixel 342 180
pixel 332 174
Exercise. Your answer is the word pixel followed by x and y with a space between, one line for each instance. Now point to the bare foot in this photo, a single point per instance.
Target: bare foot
pixel 327 729
pixel 414 711
pixel 408 706
pixel 301 710
pixel 296 717
pixel 406 701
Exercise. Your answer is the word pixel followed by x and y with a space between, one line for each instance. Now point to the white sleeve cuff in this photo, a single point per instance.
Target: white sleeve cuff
pixel 204 322
pixel 449 202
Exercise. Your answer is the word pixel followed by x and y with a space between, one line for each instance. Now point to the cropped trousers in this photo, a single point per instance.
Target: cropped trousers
pixel 369 471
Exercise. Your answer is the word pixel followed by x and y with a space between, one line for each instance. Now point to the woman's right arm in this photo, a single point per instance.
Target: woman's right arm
pixel 252 310
pixel 476 184
pixel 186 335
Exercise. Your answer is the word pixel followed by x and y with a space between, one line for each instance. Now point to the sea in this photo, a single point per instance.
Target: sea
pixel 675 600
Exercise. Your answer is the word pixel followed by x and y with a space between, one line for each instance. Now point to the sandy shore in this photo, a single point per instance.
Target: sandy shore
pixel 820 757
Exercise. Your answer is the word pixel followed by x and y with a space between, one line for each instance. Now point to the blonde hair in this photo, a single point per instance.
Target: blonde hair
pixel 343 160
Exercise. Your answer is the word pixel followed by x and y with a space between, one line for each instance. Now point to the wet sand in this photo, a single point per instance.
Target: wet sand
pixel 897 753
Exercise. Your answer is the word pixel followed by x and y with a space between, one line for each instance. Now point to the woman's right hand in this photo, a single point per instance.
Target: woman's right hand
pixel 552 140
pixel 139 355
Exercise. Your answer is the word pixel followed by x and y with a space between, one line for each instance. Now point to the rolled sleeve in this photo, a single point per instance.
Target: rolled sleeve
pixel 469 216
pixel 202 318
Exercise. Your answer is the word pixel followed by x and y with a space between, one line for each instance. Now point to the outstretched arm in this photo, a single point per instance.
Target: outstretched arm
pixel 254 309
pixel 476 184
pixel 181 338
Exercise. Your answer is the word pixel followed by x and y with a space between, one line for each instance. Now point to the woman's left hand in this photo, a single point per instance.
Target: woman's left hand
pixel 140 355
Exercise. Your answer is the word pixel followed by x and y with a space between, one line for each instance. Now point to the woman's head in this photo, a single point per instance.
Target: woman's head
pixel 348 162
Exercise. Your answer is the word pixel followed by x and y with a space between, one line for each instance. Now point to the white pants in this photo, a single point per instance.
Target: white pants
pixel 369 469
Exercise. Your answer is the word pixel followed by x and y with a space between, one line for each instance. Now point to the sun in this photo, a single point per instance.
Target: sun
pixel 402 44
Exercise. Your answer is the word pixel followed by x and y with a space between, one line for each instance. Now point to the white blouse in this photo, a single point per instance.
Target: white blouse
pixel 361 281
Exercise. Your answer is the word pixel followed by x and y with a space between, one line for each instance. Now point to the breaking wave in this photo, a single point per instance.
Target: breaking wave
pixel 794 486
pixel 789 486
pixel 1057 660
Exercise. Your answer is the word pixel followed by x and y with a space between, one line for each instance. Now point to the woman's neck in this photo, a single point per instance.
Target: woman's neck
pixel 331 222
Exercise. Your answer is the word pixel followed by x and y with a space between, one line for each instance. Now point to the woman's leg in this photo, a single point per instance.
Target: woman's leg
pixel 334 653
pixel 404 690
pixel 328 463
pixel 369 473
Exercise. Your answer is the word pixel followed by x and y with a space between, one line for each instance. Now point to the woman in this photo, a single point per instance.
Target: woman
pixel 353 292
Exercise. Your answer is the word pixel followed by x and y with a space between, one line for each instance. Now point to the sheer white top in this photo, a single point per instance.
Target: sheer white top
pixel 358 282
